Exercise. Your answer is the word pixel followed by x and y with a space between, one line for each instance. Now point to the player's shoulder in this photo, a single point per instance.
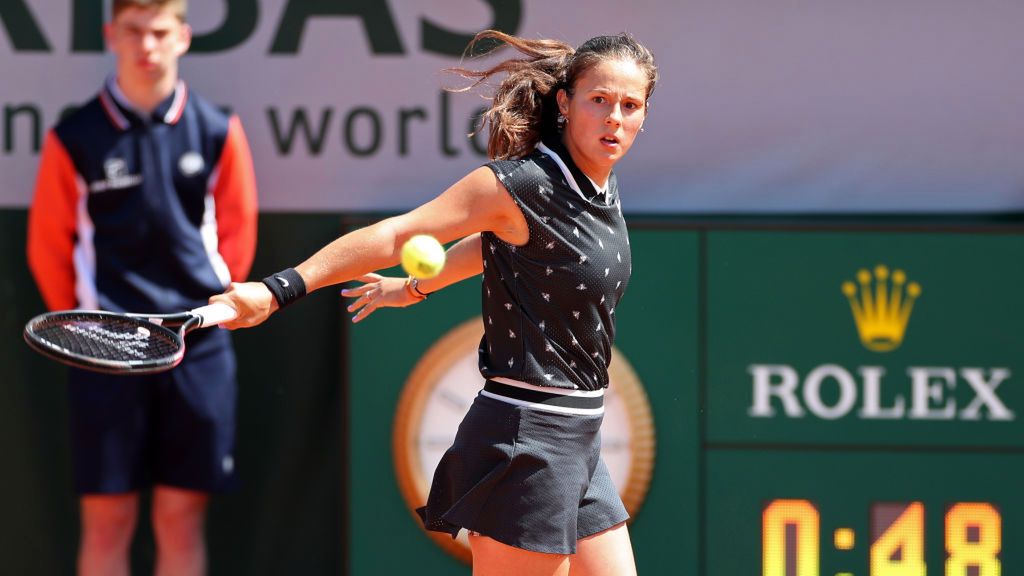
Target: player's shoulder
pixel 532 166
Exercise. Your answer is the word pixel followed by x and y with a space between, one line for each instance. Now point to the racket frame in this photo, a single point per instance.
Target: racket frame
pixel 161 323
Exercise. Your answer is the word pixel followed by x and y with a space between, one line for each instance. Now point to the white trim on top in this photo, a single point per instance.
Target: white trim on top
pixel 571 180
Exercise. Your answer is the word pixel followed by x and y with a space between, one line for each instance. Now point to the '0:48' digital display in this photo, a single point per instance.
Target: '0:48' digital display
pixel 792 539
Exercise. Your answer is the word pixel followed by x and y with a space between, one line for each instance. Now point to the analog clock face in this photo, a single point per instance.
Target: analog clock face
pixel 444 383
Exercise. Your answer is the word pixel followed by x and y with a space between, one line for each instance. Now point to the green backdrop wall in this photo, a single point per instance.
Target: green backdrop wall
pixel 710 304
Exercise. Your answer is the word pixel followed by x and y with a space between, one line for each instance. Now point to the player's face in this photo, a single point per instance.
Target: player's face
pixel 605 113
pixel 147 43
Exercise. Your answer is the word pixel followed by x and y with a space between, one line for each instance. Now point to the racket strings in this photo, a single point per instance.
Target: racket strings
pixel 108 338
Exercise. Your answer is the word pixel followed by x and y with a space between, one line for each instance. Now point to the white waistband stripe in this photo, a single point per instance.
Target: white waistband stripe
pixel 545 407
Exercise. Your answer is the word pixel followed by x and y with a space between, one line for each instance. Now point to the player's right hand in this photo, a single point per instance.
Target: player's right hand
pixel 253 301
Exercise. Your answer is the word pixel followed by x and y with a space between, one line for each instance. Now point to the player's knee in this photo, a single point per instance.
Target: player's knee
pixel 176 531
pixel 108 527
pixel 178 520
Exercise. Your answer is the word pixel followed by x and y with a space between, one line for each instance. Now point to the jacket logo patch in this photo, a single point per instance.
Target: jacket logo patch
pixel 191 163
pixel 116 175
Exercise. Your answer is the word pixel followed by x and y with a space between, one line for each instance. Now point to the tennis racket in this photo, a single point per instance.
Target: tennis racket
pixel 115 343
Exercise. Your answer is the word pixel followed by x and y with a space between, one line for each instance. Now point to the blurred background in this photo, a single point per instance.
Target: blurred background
pixel 804 162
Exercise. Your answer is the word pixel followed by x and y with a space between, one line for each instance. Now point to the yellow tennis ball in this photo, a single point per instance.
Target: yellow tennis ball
pixel 423 256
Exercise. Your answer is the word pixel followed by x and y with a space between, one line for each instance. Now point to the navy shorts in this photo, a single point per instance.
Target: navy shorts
pixel 176 428
pixel 526 477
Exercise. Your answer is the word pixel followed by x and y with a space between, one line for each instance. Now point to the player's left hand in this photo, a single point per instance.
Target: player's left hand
pixel 378 292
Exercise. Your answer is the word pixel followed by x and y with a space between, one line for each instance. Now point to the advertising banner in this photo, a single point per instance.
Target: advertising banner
pixel 844 339
pixel 762 107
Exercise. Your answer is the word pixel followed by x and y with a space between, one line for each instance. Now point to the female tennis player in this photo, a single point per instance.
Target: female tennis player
pixel 543 223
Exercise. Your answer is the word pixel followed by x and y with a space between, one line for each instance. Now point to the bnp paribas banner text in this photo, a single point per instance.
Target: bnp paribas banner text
pixel 763 107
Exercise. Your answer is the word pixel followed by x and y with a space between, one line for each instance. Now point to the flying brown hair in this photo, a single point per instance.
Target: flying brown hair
pixel 523 108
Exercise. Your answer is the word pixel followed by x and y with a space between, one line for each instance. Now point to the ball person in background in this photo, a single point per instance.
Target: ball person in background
pixel 146 202
pixel 543 223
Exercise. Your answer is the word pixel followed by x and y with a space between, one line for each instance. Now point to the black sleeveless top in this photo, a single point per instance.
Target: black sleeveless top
pixel 549 305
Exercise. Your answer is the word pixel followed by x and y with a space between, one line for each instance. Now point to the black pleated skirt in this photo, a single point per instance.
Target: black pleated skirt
pixel 525 477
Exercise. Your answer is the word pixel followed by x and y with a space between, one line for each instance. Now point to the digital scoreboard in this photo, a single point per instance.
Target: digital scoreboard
pixel 866 514
pixel 792 538
pixel 864 399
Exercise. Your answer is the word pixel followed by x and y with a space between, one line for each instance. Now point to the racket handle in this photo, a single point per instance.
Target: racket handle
pixel 213 314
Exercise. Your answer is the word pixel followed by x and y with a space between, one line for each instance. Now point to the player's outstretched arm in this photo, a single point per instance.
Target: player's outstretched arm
pixel 462 261
pixel 476 203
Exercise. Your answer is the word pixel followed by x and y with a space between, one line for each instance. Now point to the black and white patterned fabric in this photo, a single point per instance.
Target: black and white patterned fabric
pixel 525 468
pixel 549 305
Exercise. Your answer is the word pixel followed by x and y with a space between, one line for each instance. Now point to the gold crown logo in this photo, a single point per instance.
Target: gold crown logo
pixel 882 311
